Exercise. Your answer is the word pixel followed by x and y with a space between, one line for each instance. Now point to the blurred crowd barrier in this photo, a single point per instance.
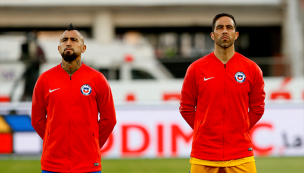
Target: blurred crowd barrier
pixel 157 130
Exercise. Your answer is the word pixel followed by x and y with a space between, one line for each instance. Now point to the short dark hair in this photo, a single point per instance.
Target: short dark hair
pixel 221 15
pixel 71 27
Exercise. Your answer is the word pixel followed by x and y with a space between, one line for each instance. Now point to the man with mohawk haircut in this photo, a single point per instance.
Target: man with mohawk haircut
pixel 72 111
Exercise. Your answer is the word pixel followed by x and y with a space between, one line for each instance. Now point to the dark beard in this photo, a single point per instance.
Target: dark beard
pixel 69 57
pixel 224 45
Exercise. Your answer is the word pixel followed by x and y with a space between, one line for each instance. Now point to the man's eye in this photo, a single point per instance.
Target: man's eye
pixel 219 27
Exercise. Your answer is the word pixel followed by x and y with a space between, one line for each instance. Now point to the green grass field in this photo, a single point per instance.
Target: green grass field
pixel 264 165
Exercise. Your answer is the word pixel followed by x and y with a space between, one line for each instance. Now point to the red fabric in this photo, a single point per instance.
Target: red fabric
pixel 6 144
pixel 216 106
pixel 72 135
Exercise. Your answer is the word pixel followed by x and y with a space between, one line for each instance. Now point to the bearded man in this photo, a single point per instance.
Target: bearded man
pixel 66 102
pixel 222 98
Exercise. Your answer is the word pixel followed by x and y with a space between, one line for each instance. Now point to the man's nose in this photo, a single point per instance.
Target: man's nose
pixel 69 42
pixel 225 30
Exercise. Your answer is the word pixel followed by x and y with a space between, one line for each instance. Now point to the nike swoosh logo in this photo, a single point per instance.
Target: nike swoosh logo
pixel 205 79
pixel 53 90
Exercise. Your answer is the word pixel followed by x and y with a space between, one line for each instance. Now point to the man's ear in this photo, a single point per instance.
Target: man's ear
pixel 59 49
pixel 84 48
pixel 236 35
pixel 212 35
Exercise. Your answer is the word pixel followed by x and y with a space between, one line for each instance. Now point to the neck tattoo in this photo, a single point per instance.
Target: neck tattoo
pixel 71 67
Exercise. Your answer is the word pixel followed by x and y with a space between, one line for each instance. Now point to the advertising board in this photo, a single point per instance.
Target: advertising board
pixel 151 131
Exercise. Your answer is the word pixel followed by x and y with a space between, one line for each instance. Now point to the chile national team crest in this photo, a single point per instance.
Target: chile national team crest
pixel 86 89
pixel 240 77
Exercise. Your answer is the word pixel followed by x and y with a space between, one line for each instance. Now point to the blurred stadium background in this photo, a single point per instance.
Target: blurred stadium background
pixel 144 48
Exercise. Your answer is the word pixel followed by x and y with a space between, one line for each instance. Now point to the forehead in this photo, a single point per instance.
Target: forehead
pixel 72 33
pixel 224 21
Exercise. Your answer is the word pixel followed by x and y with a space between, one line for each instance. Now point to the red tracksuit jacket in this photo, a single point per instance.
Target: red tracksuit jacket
pixel 214 101
pixel 72 135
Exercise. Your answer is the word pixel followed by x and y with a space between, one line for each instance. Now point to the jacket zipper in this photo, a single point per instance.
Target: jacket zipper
pixel 96 148
pixel 194 140
pixel 69 125
pixel 224 101
pixel 45 145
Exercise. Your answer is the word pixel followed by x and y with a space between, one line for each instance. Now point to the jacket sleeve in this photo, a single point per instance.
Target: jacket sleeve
pixel 189 96
pixel 39 108
pixel 256 97
pixel 107 112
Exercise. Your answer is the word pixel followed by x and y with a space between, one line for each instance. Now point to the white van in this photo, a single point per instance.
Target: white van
pixel 121 63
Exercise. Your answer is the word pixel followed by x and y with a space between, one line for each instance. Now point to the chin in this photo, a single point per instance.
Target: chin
pixel 225 45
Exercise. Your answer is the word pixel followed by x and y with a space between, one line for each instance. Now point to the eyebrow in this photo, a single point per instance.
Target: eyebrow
pixel 225 25
pixel 69 37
